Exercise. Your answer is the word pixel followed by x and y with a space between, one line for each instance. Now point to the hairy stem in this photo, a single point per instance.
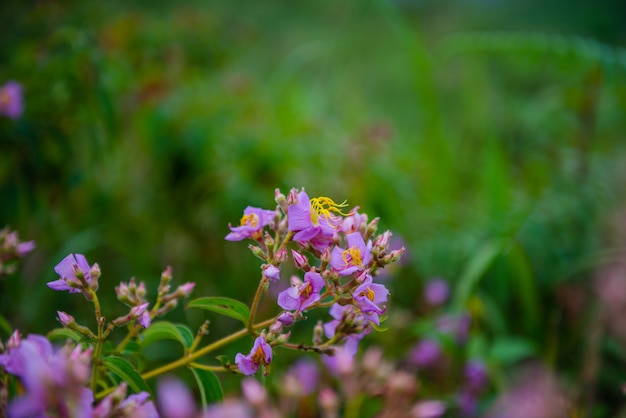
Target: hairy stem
pixel 99 339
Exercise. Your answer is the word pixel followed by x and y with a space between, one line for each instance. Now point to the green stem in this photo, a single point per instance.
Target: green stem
pixel 205 350
pixel 99 339
pixel 207 367
pixel 255 304
pixel 131 333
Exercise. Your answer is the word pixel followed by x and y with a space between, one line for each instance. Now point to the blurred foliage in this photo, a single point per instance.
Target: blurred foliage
pixel 496 157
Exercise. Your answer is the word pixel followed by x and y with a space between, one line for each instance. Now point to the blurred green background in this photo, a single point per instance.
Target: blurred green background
pixel 487 135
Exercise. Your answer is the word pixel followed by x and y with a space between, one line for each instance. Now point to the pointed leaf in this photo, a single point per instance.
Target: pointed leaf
pixel 209 385
pixel 164 330
pixel 124 370
pixel 64 333
pixel 186 333
pixel 223 306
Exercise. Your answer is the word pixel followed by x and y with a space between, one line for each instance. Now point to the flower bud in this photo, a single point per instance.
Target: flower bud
pixel 286 318
pixel 318 333
pixel 281 200
pixel 276 328
pixel 185 290
pixel 257 251
pixel 65 319
pixel 300 260
pixel 382 241
pixel 166 276
pixel 268 240
pixel 281 256
pixel 371 228
pixel 123 293
pixel 325 257
pixel 138 310
pixel 292 197
pixel 282 338
pixel 329 402
pixel 14 340
pixel 94 274
pixel 394 256
pixel 141 291
pixel 272 273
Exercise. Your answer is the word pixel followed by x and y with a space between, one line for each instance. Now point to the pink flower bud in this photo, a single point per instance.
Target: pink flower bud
pixel 382 241
pixel 65 319
pixel 286 318
pixel 329 401
pixel 300 260
pixel 281 256
pixel 272 273
pixel 276 328
pixel 292 197
pixel 138 310
pixel 166 276
pixel 185 290
pixel 14 340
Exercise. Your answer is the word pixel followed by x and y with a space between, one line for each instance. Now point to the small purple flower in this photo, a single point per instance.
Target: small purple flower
pixel 11 100
pixel 254 392
pixel 352 222
pixel 368 296
pixel 271 272
pixel 311 218
pixel 436 292
pixel 300 296
pixel 455 325
pixel 175 399
pixel 251 224
pixel 184 290
pixel 355 258
pixel 425 354
pixel 286 318
pixel 261 354
pixel 65 319
pixel 135 406
pixel 141 314
pixel 428 409
pixel 75 272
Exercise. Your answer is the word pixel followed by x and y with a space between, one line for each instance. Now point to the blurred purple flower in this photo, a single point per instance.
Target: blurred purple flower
pixel 135 406
pixel 476 377
pixel 254 392
pixel 54 381
pixel 261 354
pixel 251 224
pixel 436 292
pixel 455 325
pixel 468 403
pixel 302 295
pixel 72 269
pixel 175 400
pixel 355 258
pixel 228 409
pixel 11 104
pixel 428 409
pixel 425 354
pixel 303 377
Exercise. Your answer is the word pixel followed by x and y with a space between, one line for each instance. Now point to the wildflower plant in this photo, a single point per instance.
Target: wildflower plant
pixel 335 250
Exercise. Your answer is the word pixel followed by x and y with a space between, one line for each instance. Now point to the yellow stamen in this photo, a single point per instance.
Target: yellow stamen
pixel 369 293
pixel 259 357
pixel 250 220
pixel 306 290
pixel 324 206
pixel 352 256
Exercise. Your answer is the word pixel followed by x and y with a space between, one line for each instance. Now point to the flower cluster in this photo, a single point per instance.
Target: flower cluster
pixel 339 254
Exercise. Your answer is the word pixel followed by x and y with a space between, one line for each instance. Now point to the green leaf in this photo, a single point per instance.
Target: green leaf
pixel 223 306
pixel 209 385
pixel 64 333
pixel 475 270
pixel 164 330
pixel 124 370
pixel 509 350
pixel 186 333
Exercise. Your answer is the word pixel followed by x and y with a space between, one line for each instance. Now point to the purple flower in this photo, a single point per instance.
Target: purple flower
pixel 353 222
pixel 436 292
pixel 11 100
pixel 368 296
pixel 54 381
pixel 75 273
pixel 428 409
pixel 314 218
pixel 261 354
pixel 355 258
pixel 302 295
pixel 141 314
pixel 251 224
pixel 341 362
pixel 175 399
pixel 455 325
